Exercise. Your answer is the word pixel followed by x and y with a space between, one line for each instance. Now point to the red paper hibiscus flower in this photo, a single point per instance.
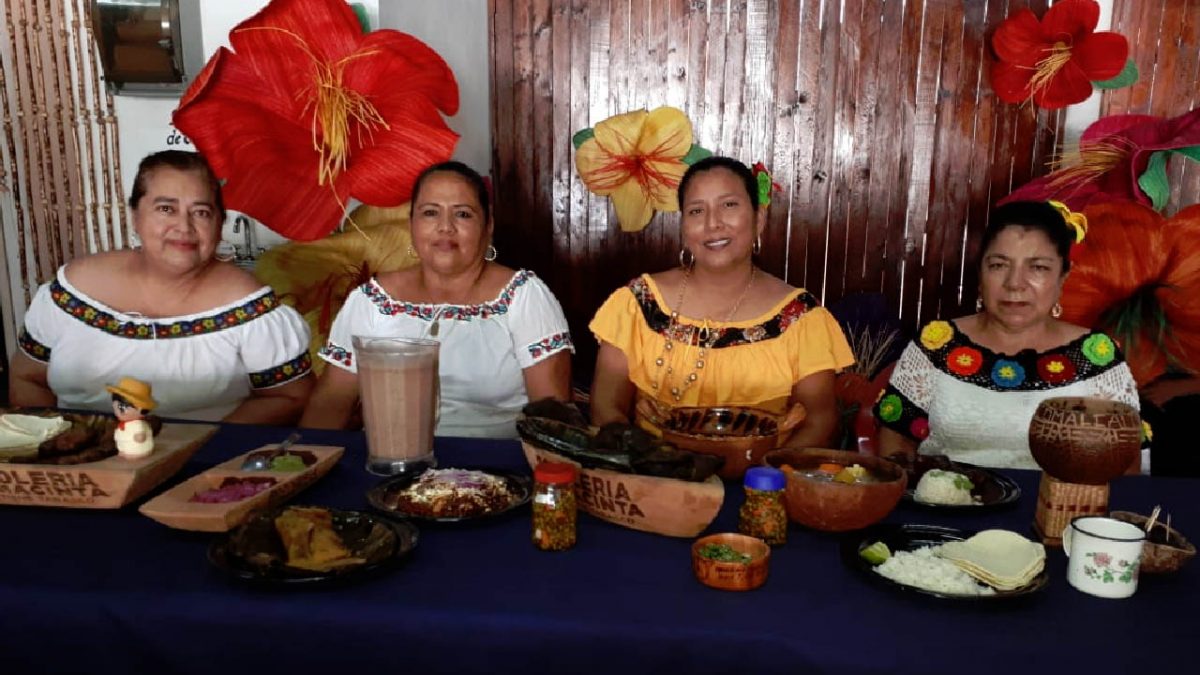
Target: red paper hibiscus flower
pixel 1055 61
pixel 307 112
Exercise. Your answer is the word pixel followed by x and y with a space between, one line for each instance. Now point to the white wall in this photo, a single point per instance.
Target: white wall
pixel 456 29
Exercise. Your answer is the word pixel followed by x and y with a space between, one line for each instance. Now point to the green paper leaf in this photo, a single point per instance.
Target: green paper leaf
pixel 695 154
pixel 1127 76
pixel 581 137
pixel 1154 180
pixel 364 19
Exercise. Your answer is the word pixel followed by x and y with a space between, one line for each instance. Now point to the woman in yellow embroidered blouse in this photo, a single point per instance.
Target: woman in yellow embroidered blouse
pixel 717 330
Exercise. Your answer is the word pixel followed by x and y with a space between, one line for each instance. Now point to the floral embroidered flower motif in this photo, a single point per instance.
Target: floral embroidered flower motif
pixel 32 348
pixel 919 428
pixel 1055 368
pixel 890 408
pixel 1008 374
pixel 1054 61
pixel 307 111
pixel 283 373
pixel 389 307
pixel 1099 349
pixel 637 158
pixel 936 334
pixel 337 354
pixel 547 346
pixel 754 333
pixel 964 361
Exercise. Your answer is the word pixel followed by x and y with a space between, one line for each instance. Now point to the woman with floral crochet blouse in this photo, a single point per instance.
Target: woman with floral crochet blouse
pixel 968 388
pixel 213 342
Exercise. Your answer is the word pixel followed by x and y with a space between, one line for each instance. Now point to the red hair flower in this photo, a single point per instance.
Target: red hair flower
pixel 919 428
pixel 1055 61
pixel 307 111
pixel 1055 368
pixel 964 361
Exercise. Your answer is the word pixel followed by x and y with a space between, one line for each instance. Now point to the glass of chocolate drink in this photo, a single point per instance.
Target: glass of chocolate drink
pixel 398 384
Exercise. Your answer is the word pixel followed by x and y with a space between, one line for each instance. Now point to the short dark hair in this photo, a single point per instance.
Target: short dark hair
pixel 1040 216
pixel 117 398
pixel 471 175
pixel 180 160
pixel 717 162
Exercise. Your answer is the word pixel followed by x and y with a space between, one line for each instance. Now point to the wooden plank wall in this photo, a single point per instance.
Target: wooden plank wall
pixel 1163 37
pixel 875 115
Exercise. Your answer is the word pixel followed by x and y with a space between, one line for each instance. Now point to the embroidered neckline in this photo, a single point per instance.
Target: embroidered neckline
pixel 101 317
pixel 783 315
pixel 389 306
pixel 954 353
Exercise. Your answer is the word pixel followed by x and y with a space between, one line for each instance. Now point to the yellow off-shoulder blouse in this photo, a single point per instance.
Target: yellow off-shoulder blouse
pixel 751 363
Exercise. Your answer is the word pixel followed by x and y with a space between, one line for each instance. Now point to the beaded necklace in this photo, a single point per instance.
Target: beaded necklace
pixel 707 337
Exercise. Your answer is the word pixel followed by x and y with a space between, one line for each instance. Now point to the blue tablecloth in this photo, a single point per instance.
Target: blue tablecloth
pixel 113 591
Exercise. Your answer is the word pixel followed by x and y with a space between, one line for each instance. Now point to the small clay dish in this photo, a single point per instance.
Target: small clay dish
pixel 1165 550
pixel 732 576
pixel 831 506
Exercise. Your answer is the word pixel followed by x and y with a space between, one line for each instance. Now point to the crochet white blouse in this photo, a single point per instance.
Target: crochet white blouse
pixel 484 348
pixel 200 366
pixel 960 399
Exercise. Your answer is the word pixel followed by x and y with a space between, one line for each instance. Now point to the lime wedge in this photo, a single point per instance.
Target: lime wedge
pixel 876 553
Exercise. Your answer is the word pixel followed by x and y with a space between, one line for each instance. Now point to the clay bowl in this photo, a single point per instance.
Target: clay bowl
pixel 1085 440
pixel 740 435
pixel 837 507
pixel 732 576
pixel 1159 557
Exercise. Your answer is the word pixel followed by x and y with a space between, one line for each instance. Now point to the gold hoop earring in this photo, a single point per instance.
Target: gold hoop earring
pixel 491 253
pixel 757 245
pixel 686 258
pixel 1056 310
pixel 412 252
pixel 978 304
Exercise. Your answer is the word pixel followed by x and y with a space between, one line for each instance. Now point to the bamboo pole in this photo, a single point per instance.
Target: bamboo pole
pixel 85 123
pixel 14 174
pixel 105 117
pixel 67 164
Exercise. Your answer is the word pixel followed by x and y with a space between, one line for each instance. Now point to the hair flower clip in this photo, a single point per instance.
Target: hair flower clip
pixel 765 185
pixel 1075 220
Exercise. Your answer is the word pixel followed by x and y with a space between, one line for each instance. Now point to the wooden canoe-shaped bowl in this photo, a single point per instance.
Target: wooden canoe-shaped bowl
pixel 109 483
pixel 676 508
pixel 740 435
pixel 176 508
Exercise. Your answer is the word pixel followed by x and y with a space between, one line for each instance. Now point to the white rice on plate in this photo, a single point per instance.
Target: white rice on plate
pixel 923 569
pixel 944 487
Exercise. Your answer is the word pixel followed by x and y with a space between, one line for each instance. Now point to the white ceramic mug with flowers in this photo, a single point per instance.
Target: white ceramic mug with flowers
pixel 1104 555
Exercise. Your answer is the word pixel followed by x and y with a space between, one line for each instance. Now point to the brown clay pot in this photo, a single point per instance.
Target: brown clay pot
pixel 740 435
pixel 837 507
pixel 1085 440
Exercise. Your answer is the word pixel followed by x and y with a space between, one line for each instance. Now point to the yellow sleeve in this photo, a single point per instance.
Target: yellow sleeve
pixel 620 323
pixel 817 341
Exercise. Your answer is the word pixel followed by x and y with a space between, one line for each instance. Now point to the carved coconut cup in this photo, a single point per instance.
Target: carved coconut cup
pixel 1085 440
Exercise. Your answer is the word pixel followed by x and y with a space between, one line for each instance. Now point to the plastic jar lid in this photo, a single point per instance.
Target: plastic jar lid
pixel 765 478
pixel 554 472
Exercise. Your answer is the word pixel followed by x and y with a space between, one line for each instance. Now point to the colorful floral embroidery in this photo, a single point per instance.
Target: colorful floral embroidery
pixel 659 321
pixel 1008 374
pixel 1099 349
pixel 32 348
pixel 146 330
pixel 1055 368
pixel 332 352
pixel 283 373
pixel 964 360
pixel 890 408
pixel 936 334
pixel 389 307
pixel 919 428
pixel 547 346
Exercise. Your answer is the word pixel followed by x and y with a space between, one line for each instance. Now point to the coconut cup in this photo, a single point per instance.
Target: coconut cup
pixel 1165 550
pixel 837 507
pixel 1085 440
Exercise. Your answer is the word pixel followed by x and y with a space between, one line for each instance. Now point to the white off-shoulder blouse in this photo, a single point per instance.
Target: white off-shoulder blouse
pixel 484 348
pixel 200 366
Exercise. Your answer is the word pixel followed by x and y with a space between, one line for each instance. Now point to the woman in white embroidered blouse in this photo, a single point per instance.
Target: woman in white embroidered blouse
pixel 968 388
pixel 504 339
pixel 213 342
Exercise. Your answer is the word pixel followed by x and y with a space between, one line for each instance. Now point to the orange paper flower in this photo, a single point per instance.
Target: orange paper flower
pixel 636 158
pixel 307 112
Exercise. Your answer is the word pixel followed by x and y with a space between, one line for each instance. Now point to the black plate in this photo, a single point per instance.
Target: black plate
pixel 360 532
pixel 993 488
pixel 519 485
pixel 910 538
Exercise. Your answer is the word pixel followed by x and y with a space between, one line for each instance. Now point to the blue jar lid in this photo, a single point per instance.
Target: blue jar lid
pixel 765 478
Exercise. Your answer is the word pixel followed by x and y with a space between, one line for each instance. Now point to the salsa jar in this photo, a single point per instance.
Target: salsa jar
pixel 763 514
pixel 554 506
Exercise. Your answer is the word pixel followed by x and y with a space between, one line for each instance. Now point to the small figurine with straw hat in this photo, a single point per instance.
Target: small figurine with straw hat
pixel 131 403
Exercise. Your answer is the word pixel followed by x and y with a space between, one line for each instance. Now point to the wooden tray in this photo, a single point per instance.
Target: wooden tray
pixel 676 508
pixel 106 484
pixel 173 508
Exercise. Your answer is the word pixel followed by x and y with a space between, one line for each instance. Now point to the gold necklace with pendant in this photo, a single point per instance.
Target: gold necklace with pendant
pixel 704 336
